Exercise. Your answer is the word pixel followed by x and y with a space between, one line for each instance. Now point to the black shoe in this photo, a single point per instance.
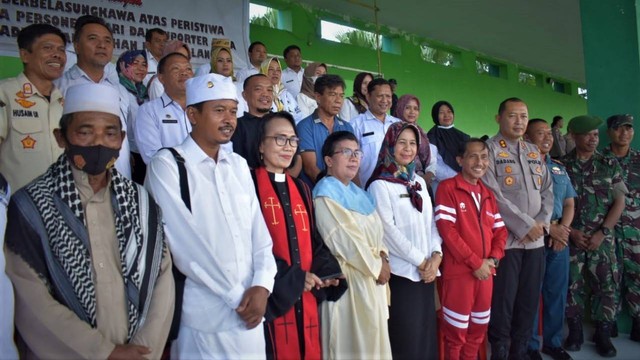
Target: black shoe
pixel 604 346
pixel 576 338
pixel 556 353
pixel 499 352
pixel 534 354
pixel 635 330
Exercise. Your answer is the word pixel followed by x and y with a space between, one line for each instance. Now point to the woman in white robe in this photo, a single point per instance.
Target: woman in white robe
pixel 355 326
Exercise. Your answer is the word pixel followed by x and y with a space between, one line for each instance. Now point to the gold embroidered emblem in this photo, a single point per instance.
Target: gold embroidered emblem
pixel 509 180
pixel 503 144
pixel 25 103
pixel 503 154
pixel 533 155
pixel 210 84
pixel 28 142
pixel 508 169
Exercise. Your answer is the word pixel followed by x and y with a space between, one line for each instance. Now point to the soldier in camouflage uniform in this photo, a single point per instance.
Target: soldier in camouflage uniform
pixel 627 231
pixel 601 191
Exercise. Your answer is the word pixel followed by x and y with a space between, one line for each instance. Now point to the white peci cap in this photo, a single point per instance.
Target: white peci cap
pixel 210 87
pixel 92 97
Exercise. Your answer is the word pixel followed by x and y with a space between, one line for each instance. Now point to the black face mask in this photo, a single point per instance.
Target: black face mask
pixel 93 160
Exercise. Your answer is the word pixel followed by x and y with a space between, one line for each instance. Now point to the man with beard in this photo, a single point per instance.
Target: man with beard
pixel 258 92
pixel 85 246
pixel 593 262
pixel 220 241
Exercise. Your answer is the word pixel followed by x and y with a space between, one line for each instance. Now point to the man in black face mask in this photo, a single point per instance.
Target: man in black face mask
pixel 85 246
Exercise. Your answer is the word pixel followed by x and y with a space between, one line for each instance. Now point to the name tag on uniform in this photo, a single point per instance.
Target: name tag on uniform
pixel 289 81
pixel 169 121
pixel 368 134
pixel 404 196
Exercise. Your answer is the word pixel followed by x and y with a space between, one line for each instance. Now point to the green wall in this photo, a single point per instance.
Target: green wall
pixel 474 96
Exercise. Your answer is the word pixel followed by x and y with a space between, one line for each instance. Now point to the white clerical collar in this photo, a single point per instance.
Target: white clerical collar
pixel 445 127
pixel 279 177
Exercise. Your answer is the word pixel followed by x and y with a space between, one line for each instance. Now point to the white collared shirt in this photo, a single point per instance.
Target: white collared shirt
pixel 245 73
pixel 160 123
pixel 77 76
pixel 370 133
pixel 410 235
pixel 223 245
pixel 152 68
pixel 292 80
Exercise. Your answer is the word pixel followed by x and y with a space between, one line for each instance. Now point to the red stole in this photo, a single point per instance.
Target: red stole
pixel 285 328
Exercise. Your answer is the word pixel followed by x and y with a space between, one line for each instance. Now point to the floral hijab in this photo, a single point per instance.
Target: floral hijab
pixel 125 74
pixel 388 169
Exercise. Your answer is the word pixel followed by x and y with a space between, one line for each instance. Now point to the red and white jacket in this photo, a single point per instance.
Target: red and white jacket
pixel 471 230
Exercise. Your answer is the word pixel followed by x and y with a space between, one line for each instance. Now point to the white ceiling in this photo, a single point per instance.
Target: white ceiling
pixel 543 35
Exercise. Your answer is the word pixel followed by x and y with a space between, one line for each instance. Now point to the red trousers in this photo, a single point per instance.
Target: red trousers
pixel 466 309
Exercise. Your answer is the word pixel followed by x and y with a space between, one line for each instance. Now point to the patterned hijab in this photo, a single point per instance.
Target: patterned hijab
pixel 125 74
pixel 278 88
pixel 388 169
pixel 308 79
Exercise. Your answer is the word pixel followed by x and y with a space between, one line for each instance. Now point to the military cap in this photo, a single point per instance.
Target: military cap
pixel 583 124
pixel 615 121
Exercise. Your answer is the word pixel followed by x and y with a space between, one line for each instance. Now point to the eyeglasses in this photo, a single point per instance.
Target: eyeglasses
pixel 282 140
pixel 348 153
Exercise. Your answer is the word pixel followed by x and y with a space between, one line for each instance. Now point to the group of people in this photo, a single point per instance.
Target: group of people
pixel 263 215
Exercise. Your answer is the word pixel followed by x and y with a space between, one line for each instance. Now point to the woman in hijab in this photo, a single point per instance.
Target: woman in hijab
pixel 357 104
pixel 132 68
pixel 221 58
pixel 447 139
pixel 415 247
pixel 306 98
pixel 355 326
pixel 408 110
pixel 156 89
pixel 282 99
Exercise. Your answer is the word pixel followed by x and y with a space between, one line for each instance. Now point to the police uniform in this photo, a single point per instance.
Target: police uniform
pixel 27 120
pixel 521 182
pixel 556 275
pixel 160 123
pixel 76 76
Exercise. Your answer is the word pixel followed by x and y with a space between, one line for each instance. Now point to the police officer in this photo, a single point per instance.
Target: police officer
pixel 519 177
pixel 31 106
pixel 601 191
pixel 627 231
pixel 556 274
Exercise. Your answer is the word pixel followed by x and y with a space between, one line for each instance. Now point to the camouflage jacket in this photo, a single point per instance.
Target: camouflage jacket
pixel 596 181
pixel 630 165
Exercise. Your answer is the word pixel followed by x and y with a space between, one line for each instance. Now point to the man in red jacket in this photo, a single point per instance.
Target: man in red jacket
pixel 474 237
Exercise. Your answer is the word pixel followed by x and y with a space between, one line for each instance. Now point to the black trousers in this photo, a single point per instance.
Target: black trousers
pixel 138 168
pixel 412 319
pixel 516 293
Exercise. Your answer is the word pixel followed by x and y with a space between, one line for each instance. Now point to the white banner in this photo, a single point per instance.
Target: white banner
pixel 195 22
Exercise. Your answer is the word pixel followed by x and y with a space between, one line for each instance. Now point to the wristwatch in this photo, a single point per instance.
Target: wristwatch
pixel 605 230
pixel 436 253
pixel 496 262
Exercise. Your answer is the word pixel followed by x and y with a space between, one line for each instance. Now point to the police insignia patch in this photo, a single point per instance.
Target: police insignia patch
pixel 25 103
pixel 538 169
pixel 503 154
pixel 27 89
pixel 503 144
pixel 28 142
pixel 533 155
pixel 509 180
pixel 508 169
